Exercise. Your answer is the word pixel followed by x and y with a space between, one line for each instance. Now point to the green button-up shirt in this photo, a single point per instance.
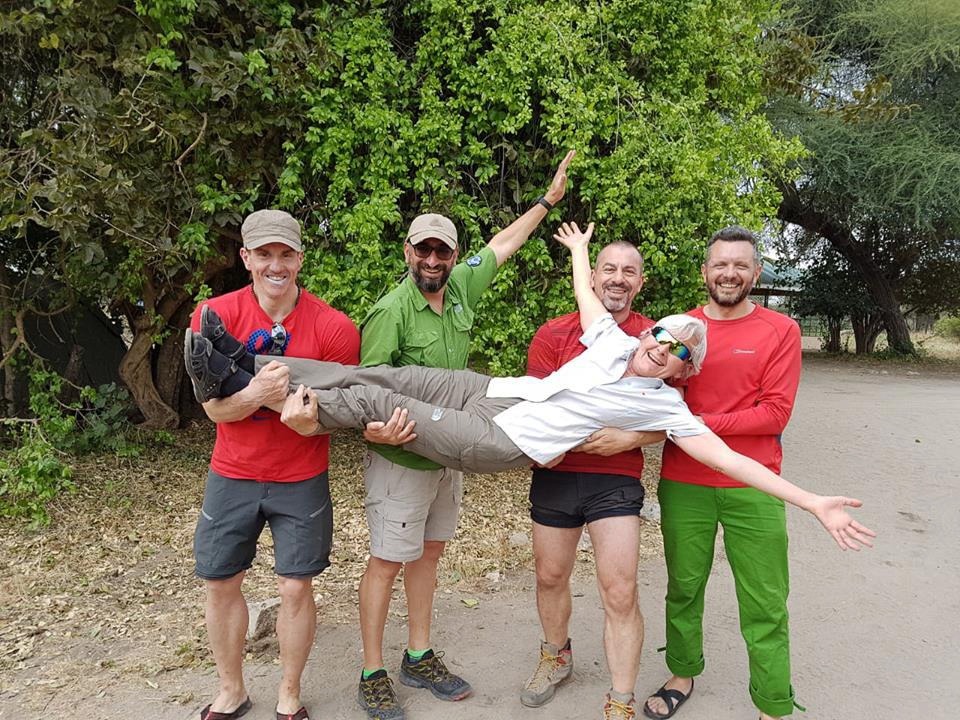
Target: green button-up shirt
pixel 402 329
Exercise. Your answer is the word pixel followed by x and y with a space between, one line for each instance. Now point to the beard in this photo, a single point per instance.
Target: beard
pixel 429 286
pixel 728 300
pixel 614 304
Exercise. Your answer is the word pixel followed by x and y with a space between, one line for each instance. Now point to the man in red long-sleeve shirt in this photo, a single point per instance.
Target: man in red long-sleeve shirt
pixel 745 394
pixel 598 486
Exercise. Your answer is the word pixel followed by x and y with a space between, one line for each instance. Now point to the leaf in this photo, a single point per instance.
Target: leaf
pixel 470 602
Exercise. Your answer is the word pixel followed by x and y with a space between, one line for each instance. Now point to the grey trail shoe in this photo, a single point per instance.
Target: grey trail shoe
pixel 555 667
pixel 378 699
pixel 429 672
pixel 614 709
pixel 206 367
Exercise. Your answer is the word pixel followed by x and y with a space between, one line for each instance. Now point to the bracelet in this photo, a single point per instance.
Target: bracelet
pixel 542 200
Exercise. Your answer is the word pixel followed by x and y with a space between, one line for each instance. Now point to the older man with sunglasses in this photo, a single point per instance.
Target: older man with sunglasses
pixel 263 472
pixel 412 503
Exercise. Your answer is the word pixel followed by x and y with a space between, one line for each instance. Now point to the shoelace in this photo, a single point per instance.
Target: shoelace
pixel 434 668
pixel 381 692
pixel 548 663
pixel 624 710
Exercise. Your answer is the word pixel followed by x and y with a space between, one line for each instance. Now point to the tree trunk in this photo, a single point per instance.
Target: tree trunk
pixel 136 372
pixel 832 344
pixel 793 210
pixel 168 360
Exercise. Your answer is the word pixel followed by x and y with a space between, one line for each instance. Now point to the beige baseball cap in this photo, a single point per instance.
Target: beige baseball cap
pixel 269 226
pixel 434 226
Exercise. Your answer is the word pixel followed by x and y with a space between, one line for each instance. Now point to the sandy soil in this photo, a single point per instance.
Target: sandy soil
pixel 873 632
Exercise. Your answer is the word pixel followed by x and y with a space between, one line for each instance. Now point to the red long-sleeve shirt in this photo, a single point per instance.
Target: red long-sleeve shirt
pixel 557 342
pixel 744 393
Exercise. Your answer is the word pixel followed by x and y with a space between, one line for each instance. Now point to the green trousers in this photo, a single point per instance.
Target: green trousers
pixel 755 540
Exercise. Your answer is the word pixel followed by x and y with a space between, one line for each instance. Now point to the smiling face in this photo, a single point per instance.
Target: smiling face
pixel 730 272
pixel 273 268
pixel 617 278
pixel 430 273
pixel 654 360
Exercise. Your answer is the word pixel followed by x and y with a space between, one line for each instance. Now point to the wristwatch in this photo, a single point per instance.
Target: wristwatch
pixel 542 200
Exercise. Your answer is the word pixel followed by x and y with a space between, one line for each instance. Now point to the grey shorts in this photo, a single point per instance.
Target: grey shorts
pixel 234 512
pixel 405 507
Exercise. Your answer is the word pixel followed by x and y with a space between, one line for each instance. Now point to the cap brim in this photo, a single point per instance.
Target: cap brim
pixel 260 242
pixel 419 237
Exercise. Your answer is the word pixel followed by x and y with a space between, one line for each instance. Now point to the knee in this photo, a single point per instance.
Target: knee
pixel 379 570
pixel 223 591
pixel 294 592
pixel 432 550
pixel 620 596
pixel 552 576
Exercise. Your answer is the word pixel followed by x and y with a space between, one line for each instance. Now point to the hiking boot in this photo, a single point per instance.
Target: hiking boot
pixel 206 367
pixel 555 666
pixel 377 698
pixel 213 329
pixel 430 672
pixel 616 710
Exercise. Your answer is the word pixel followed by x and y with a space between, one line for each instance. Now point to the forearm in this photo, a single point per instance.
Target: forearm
pixel 233 408
pixel 588 303
pixel 764 419
pixel 506 242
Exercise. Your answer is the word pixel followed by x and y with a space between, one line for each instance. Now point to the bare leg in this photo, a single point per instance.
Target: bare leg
pixel 419 582
pixel 554 553
pixel 375 589
pixel 616 542
pixel 227 629
pixel 296 628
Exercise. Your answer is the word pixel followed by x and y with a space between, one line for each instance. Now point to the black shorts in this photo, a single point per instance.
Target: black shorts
pixel 234 513
pixel 570 499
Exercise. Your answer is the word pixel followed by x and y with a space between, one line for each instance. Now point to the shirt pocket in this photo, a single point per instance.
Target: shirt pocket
pixel 417 347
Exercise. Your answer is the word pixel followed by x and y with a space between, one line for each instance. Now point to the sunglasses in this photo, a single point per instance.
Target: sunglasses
pixel 422 250
pixel 278 340
pixel 663 336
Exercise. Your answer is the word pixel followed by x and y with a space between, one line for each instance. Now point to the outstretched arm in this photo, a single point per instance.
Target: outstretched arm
pixel 506 242
pixel 714 453
pixel 577 242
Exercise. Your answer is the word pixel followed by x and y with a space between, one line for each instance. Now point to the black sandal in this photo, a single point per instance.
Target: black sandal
pixel 213 329
pixel 673 698
pixel 240 711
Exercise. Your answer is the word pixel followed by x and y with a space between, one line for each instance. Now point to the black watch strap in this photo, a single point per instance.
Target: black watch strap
pixel 542 200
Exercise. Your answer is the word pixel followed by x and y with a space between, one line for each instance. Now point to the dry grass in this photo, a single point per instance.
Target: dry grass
pixel 108 589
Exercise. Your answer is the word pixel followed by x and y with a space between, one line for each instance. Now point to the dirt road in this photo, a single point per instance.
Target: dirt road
pixel 875 634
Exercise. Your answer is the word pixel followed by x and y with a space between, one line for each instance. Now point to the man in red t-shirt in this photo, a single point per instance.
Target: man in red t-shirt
pixel 598 486
pixel 744 393
pixel 262 471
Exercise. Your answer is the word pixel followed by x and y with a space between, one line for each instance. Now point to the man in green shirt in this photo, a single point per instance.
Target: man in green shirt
pixel 412 503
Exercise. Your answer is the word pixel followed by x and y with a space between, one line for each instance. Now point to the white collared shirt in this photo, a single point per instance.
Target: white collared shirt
pixel 588 393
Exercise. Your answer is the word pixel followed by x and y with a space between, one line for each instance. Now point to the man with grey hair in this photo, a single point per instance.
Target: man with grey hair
pixel 261 472
pixel 745 395
pixel 413 503
pixel 597 486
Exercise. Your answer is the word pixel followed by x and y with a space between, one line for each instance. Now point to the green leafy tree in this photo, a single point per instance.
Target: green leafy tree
pixel 136 136
pixel 872 89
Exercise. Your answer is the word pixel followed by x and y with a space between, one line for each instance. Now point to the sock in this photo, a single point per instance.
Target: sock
pixel 245 362
pixel 233 383
pixel 367 673
pixel 620 697
pixel 416 655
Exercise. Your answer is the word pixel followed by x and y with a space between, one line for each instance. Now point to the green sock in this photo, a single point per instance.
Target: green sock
pixel 368 673
pixel 415 655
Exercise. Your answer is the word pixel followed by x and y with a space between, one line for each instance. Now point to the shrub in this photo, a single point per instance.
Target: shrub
pixel 948 327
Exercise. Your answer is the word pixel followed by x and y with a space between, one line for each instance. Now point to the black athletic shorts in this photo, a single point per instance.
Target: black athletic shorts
pixel 571 499
pixel 234 513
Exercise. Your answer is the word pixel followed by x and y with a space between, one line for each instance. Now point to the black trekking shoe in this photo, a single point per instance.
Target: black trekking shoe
pixel 377 698
pixel 429 672
pixel 207 368
pixel 213 329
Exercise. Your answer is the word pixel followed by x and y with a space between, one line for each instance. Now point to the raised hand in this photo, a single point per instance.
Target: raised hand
pixel 846 531
pixel 571 236
pixel 559 185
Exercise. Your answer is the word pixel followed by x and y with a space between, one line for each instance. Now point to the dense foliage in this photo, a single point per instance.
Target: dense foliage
pixel 872 89
pixel 137 134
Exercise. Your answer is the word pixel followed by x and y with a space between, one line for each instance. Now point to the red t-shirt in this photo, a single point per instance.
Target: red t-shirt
pixel 744 393
pixel 260 447
pixel 557 342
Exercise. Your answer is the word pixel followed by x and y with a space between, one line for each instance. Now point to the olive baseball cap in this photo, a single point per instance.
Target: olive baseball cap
pixel 434 226
pixel 269 226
